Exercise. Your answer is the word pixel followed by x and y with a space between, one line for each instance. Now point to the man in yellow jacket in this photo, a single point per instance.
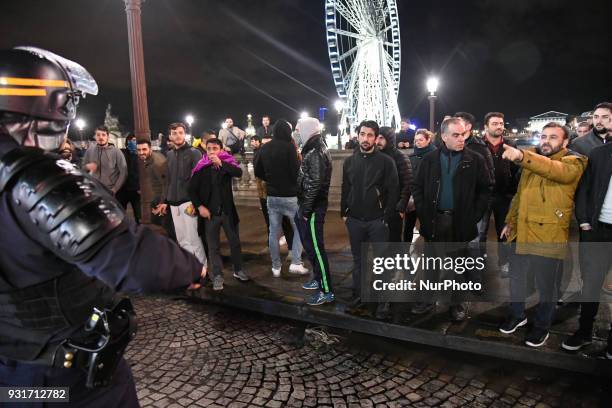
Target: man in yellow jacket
pixel 538 221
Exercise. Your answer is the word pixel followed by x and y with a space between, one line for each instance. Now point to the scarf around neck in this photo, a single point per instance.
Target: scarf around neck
pixel 206 162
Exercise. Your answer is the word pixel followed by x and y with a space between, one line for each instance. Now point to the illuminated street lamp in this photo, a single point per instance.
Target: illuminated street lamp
pixel 189 119
pixel 80 124
pixel 303 115
pixel 432 87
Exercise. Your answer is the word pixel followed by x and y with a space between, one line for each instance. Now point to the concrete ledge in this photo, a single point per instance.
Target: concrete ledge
pixel 337 318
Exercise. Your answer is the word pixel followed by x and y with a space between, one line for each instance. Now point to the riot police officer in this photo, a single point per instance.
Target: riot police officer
pixel 65 245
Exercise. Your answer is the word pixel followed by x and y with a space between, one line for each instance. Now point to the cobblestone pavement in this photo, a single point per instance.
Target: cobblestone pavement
pixel 190 355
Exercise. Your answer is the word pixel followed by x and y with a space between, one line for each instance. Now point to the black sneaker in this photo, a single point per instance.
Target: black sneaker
pixel 576 341
pixel 510 325
pixel 536 337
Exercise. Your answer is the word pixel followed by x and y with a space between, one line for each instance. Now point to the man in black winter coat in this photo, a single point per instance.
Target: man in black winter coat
pixel 451 192
pixel 369 196
pixel 210 191
pixel 475 143
pixel 601 132
pixel 386 143
pixel 594 215
pixel 313 187
pixel 506 180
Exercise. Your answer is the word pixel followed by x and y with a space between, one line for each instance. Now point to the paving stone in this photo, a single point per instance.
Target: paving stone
pixel 185 356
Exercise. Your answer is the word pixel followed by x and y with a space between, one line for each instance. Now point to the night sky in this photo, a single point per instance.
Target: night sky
pixel 212 58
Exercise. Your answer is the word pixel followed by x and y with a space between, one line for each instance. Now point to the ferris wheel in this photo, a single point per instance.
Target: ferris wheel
pixel 363 42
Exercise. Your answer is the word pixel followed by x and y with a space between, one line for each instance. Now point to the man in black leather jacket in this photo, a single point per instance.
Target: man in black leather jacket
pixel 314 179
pixel 71 246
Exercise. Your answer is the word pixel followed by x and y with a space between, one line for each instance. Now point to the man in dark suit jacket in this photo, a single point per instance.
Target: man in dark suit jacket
pixel 594 215
pixel 210 191
pixel 451 192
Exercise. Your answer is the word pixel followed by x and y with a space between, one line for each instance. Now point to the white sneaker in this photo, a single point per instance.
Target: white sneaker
pixel 282 241
pixel 276 272
pixel 298 269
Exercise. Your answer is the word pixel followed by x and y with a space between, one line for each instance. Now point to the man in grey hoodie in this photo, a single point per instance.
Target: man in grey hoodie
pixel 105 162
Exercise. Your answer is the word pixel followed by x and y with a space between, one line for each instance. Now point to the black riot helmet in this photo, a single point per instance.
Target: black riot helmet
pixel 39 94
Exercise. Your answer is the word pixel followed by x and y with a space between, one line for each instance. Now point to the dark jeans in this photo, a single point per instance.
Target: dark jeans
pixel 444 246
pixel 595 261
pixel 395 228
pixel 287 230
pixel 545 271
pixel 126 197
pixel 311 234
pixel 409 222
pixel 499 209
pixel 213 236
pixel 361 232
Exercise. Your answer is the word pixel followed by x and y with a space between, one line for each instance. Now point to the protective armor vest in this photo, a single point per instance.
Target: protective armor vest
pixel 78 215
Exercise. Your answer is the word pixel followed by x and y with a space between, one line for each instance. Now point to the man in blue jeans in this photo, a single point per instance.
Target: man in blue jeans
pixel 277 164
pixel 313 187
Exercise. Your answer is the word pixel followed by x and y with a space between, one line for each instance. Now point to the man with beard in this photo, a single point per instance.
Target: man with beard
pixel 594 215
pixel 386 143
pixel 601 133
pixel 265 130
pixel 155 166
pixel 369 196
pixel 539 220
pixel 105 162
pixel 506 181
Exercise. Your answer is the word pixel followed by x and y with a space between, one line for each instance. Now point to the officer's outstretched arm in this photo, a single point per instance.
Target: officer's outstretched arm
pixel 76 218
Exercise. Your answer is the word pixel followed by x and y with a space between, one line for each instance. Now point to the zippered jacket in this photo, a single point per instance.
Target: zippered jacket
pixel 472 186
pixel 370 186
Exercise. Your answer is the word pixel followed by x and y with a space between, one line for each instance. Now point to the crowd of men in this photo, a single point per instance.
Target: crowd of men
pixel 453 183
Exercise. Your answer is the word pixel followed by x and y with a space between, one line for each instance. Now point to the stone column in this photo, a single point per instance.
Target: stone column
pixel 139 95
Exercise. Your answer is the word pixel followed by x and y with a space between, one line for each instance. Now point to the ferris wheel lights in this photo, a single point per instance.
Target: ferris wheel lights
pixel 432 85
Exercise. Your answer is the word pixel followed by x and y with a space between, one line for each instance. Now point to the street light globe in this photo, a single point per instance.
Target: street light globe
pixel 303 115
pixel 515 131
pixel 432 85
pixel 189 119
pixel 339 105
pixel 80 124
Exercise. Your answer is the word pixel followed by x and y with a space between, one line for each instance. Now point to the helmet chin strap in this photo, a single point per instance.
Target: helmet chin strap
pixel 32 132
